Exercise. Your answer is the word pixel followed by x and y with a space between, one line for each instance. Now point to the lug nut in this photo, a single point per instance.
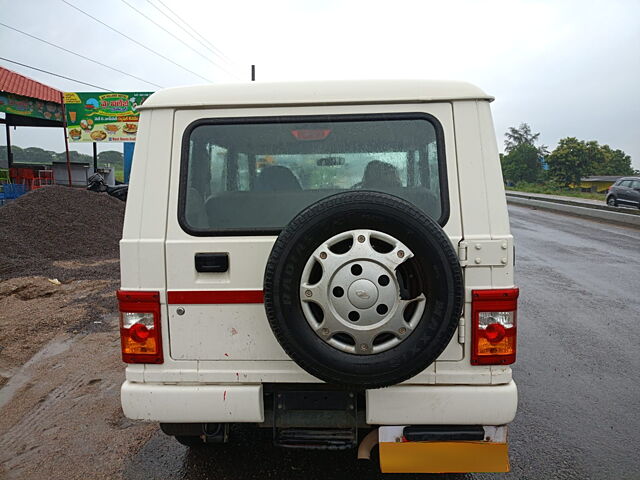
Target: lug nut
pixel 364 347
pixel 361 238
pixel 325 331
pixel 402 330
pixel 323 255
pixel 308 293
pixel 400 253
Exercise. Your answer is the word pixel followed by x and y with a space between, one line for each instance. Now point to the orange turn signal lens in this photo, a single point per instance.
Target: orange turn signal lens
pixel 505 346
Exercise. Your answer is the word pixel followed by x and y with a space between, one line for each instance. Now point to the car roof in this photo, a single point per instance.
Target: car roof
pixel 348 92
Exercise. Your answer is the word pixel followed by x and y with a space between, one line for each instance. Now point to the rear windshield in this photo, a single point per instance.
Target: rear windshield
pixel 256 175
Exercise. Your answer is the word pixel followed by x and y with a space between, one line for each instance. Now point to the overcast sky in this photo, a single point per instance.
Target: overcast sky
pixel 568 68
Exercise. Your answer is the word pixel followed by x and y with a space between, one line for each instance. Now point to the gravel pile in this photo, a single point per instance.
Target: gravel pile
pixel 59 225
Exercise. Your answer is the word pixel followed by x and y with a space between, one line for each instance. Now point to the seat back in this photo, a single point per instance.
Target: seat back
pixel 277 178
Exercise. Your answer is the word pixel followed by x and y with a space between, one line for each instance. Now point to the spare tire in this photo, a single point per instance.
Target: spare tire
pixel 363 289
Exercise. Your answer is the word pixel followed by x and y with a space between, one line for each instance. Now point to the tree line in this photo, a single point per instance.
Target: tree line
pixel 37 155
pixel 527 161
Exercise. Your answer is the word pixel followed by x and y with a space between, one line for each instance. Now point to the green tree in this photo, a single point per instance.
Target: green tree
pixel 74 156
pixel 612 162
pixel 522 135
pixel 110 157
pixel 571 160
pixel 3 155
pixel 522 160
pixel 522 164
pixel 574 159
pixel 32 155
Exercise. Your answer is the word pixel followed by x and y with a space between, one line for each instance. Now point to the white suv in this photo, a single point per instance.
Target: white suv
pixel 290 249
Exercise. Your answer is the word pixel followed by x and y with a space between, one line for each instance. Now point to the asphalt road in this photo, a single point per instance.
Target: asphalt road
pixel 578 372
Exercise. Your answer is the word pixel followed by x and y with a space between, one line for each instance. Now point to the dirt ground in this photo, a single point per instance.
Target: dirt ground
pixel 60 363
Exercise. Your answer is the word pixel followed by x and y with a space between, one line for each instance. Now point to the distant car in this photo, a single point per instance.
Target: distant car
pixel 624 193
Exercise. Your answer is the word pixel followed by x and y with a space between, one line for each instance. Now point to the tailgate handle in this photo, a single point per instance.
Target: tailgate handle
pixel 212 262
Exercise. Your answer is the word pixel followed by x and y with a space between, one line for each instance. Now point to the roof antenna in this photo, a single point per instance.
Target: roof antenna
pixel 253 73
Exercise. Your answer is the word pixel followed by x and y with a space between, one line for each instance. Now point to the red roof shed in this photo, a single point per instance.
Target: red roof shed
pixel 17 84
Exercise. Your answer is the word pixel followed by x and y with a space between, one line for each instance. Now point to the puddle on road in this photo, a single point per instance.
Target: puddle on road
pixel 20 377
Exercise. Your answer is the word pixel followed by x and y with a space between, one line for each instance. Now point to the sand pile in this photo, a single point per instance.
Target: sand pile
pixel 52 230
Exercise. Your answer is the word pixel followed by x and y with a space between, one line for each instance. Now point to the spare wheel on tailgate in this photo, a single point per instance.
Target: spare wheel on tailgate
pixel 362 289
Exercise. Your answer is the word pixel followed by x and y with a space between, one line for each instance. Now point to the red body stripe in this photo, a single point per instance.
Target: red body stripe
pixel 204 297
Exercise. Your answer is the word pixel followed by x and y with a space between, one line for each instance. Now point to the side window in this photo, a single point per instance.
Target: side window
pixel 625 183
pixel 635 184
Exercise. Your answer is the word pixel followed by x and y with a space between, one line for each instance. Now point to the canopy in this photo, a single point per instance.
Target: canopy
pixel 28 103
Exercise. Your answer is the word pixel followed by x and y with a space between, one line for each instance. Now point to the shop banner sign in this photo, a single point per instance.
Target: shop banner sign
pixel 30 107
pixel 103 117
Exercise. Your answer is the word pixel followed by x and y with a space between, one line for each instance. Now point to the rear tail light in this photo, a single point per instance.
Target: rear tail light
pixel 494 315
pixel 140 327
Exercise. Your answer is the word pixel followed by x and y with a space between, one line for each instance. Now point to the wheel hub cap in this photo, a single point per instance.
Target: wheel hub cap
pixel 358 293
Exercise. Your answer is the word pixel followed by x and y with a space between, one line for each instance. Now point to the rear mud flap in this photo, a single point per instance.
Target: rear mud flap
pixel 397 455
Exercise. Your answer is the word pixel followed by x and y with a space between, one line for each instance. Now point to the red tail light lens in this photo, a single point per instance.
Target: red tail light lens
pixel 495 332
pixel 140 326
pixel 494 314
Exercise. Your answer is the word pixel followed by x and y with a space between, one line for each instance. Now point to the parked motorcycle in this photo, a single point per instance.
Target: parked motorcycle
pixel 97 184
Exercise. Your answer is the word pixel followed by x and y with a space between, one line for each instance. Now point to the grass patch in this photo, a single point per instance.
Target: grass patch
pixel 553 190
pixel 119 173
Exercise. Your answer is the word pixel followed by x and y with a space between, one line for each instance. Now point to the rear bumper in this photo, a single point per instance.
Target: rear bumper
pixel 443 405
pixel 399 405
pixel 192 403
